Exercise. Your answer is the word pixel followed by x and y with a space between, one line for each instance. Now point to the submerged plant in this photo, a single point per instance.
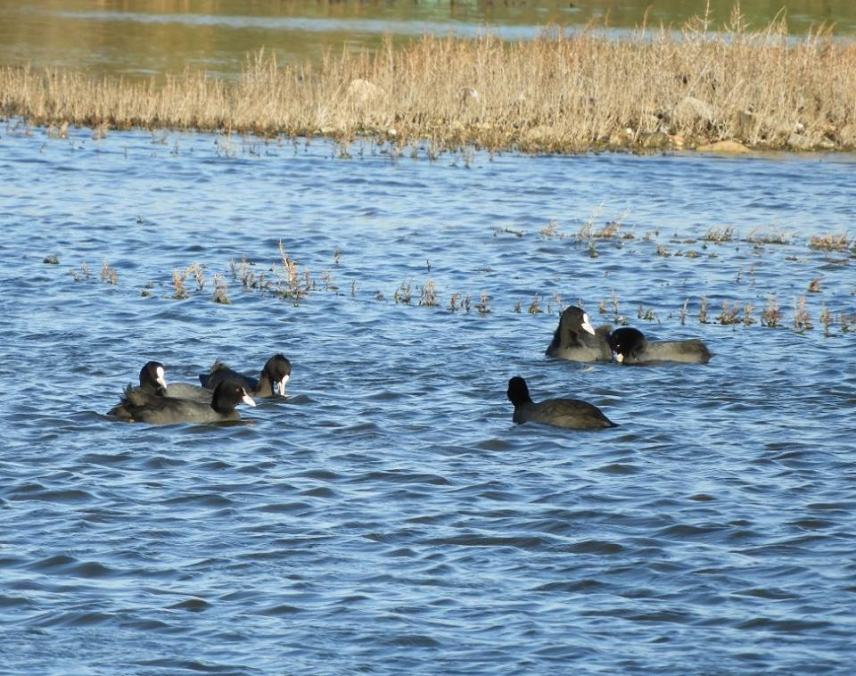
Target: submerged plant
pixel 830 242
pixel 179 290
pixel 428 294
pixel 683 314
pixel 802 320
pixel 82 274
pixel 826 320
pixel 550 230
pixel 730 314
pixel 702 310
pixel 403 294
pixel 108 274
pixel 195 270
pixel 719 235
pixel 483 306
pixel 772 315
pixel 221 294
pixel 646 314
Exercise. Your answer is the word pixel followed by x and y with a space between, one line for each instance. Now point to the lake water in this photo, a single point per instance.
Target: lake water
pixel 150 37
pixel 388 517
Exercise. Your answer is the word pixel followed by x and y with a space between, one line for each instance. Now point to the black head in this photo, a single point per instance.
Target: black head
pixel 153 378
pixel 228 394
pixel 626 342
pixel 518 391
pixel 278 369
pixel 574 320
pixel 572 323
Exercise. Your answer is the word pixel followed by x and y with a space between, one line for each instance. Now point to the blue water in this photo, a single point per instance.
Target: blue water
pixel 388 517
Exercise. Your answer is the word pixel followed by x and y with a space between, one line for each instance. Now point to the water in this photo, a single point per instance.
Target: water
pixel 389 517
pixel 144 38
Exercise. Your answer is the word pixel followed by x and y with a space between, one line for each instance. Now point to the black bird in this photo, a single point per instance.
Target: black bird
pixel 631 347
pixel 138 405
pixel 570 413
pixel 576 340
pixel 153 380
pixel 274 375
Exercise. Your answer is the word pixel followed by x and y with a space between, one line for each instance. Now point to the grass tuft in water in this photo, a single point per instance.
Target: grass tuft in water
pixel 195 270
pixel 179 290
pixel 719 235
pixel 646 314
pixel 428 294
pixel 108 274
pixel 403 293
pixel 683 313
pixel 802 320
pixel 772 314
pixel 826 320
pixel 830 242
pixel 483 306
pixel 221 291
pixel 702 310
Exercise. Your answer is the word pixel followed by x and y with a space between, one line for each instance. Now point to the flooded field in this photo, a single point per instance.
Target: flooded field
pixel 148 37
pixel 388 516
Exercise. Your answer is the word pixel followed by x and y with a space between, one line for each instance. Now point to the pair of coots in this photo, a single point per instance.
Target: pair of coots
pixel 575 339
pixel 223 389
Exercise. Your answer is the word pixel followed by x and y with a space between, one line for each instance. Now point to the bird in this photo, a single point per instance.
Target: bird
pixel 153 380
pixel 568 413
pixel 576 340
pixel 630 346
pixel 139 405
pixel 274 375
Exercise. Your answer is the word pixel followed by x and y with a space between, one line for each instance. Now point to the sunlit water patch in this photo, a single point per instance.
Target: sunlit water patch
pixel 388 516
pixel 146 38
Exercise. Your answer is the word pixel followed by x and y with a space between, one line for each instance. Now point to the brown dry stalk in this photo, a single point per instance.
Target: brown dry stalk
pixel 558 94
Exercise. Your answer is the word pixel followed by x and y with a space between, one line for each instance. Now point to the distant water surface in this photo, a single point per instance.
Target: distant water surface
pixel 147 37
pixel 388 517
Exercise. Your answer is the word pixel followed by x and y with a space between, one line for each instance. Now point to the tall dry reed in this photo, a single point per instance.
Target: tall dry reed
pixel 557 93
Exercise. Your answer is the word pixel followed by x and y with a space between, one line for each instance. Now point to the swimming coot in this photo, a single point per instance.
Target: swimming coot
pixel 138 405
pixel 274 375
pixel 570 413
pixel 153 380
pixel 576 340
pixel 631 347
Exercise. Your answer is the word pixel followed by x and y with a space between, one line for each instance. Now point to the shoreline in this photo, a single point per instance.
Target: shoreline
pixel 729 92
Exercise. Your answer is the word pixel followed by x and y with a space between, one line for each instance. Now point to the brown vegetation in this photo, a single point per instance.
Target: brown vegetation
pixel 561 93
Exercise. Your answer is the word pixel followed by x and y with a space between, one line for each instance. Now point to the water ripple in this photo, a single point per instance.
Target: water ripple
pixel 388 515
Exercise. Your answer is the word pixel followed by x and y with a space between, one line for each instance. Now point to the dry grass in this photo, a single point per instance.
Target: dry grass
pixel 830 242
pixel 109 274
pixel 802 319
pixel 772 314
pixel 179 290
pixel 403 294
pixel 702 310
pixel 730 314
pixel 428 294
pixel 221 291
pixel 719 235
pixel 560 93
